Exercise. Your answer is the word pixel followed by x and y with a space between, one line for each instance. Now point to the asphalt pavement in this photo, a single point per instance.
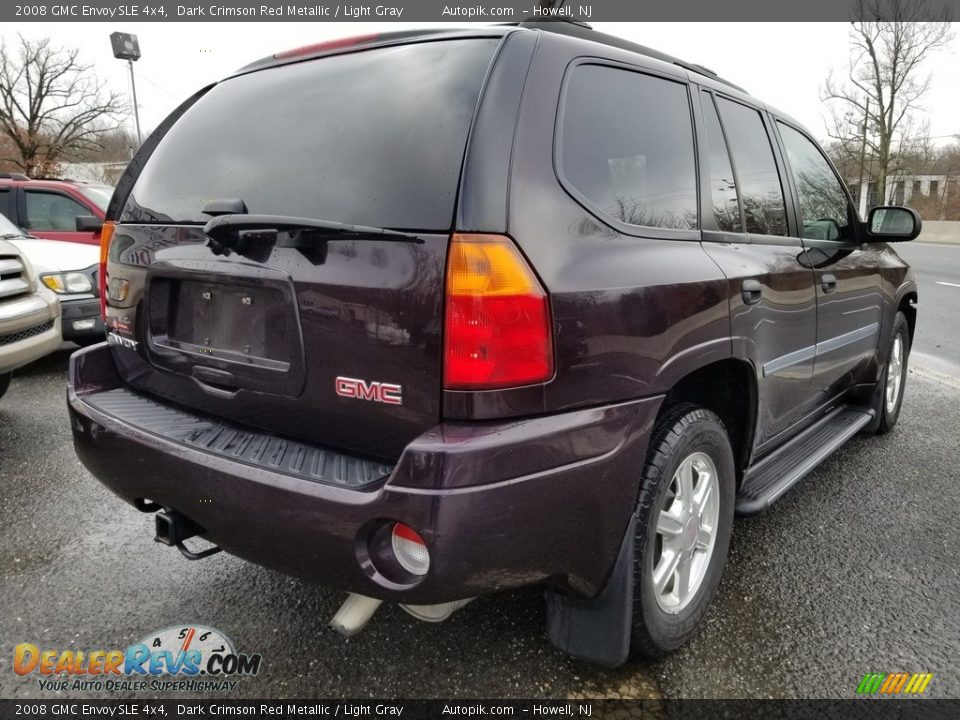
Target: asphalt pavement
pixel 857 570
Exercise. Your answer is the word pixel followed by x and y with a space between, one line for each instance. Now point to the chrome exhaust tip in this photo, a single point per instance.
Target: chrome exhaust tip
pixel 354 614
pixel 435 613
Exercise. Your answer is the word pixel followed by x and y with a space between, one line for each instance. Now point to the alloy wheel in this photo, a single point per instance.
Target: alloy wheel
pixel 894 374
pixel 686 532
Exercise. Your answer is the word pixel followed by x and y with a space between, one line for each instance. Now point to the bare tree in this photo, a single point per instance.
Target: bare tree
pixel 890 42
pixel 114 144
pixel 52 106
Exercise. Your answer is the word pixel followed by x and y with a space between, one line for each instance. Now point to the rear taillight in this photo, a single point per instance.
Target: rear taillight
pixel 106 235
pixel 497 328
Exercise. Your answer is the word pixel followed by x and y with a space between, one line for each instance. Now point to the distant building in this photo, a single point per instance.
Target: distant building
pixel 93 172
pixel 927 193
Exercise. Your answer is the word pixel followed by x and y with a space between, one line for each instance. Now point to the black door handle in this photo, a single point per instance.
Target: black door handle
pixel 828 283
pixel 751 291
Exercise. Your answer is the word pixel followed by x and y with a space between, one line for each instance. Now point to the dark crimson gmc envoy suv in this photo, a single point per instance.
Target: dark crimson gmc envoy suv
pixel 429 315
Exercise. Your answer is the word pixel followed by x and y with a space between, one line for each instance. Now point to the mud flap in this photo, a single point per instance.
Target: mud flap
pixel 597 630
pixel 876 404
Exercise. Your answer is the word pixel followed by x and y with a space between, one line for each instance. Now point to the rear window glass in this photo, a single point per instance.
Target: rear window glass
pixel 627 147
pixel 371 138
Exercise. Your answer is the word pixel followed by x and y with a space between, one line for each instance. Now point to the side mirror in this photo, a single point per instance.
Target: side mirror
pixel 891 223
pixel 89 223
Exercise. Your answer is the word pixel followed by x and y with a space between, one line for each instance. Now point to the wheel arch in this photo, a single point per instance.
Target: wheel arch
pixel 907 304
pixel 727 388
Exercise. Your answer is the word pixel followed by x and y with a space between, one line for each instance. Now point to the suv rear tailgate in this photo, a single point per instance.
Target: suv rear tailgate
pixel 331 340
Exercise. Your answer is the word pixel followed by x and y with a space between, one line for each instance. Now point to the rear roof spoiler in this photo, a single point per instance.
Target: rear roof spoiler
pixel 333 47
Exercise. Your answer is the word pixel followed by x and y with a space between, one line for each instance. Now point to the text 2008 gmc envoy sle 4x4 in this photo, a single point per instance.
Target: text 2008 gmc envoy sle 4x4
pixel 424 316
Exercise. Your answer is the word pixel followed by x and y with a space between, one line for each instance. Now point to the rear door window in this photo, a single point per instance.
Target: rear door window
pixel 626 147
pixel 723 187
pixel 764 211
pixel 371 138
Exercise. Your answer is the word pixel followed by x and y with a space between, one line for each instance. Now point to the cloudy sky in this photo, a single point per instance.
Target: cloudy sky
pixel 782 64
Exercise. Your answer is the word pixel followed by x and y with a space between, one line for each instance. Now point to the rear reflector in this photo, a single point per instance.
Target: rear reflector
pixel 325 46
pixel 410 550
pixel 497 328
pixel 106 235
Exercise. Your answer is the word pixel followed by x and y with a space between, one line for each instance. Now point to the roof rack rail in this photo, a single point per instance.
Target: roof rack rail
pixel 13 176
pixel 574 28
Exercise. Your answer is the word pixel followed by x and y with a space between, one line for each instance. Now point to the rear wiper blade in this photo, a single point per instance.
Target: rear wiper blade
pixel 228 230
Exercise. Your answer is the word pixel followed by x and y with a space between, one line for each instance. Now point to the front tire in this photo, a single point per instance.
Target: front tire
pixel 894 379
pixel 5 382
pixel 684 520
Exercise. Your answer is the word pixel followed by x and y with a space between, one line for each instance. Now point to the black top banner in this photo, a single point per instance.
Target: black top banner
pixel 471 11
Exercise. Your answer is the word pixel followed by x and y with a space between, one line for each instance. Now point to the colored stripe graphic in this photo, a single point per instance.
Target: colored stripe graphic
pixel 926 681
pixel 870 684
pixel 894 683
pixel 899 680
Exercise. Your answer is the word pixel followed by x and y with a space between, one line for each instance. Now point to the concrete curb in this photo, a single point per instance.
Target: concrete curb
pixel 939 377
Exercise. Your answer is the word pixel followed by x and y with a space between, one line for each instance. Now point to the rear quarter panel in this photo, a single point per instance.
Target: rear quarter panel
pixel 631 314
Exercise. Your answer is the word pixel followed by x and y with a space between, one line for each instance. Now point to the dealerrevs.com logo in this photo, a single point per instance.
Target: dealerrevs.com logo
pixel 182 658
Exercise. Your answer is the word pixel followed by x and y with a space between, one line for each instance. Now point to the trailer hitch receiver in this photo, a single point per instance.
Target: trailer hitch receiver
pixel 173 528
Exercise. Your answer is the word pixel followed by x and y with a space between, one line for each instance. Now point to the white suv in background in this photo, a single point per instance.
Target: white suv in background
pixel 70 270
pixel 29 315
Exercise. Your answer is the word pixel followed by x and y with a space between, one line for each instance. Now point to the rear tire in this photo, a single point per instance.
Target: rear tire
pixel 894 380
pixel 5 382
pixel 684 520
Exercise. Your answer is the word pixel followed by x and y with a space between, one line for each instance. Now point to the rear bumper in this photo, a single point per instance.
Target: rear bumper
pixel 500 506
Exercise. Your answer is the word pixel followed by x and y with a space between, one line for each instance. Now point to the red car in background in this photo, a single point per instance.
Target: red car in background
pixel 55 209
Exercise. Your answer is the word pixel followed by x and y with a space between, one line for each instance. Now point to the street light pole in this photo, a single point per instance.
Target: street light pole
pixel 136 110
pixel 127 47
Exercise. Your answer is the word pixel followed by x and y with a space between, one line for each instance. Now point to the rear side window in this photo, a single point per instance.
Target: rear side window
pixel 626 147
pixel 760 190
pixel 723 187
pixel 371 138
